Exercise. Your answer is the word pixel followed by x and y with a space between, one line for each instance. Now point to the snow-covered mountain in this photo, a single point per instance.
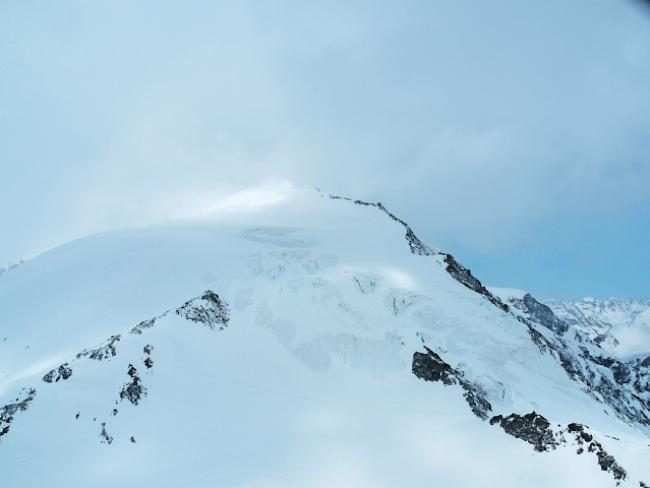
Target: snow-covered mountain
pixel 314 341
pixel 618 325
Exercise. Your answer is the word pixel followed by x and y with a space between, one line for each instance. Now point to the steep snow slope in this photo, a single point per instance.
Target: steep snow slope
pixel 622 384
pixel 314 342
pixel 620 326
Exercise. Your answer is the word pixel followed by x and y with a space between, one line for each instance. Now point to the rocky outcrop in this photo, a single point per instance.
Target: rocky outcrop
pixel 148 362
pixel 105 351
pixel 536 430
pixel 416 245
pixel 429 366
pixel 209 309
pixel 465 277
pixel 540 313
pixel 8 411
pixel 133 391
pixel 606 461
pixel 62 372
pixel 531 427
pixel 457 271
pixel 145 324
pixel 105 437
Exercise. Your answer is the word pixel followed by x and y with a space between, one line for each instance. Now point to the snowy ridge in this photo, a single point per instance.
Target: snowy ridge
pixel 336 345
pixel 208 309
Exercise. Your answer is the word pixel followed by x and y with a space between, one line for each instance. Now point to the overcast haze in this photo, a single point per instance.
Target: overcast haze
pixel 512 134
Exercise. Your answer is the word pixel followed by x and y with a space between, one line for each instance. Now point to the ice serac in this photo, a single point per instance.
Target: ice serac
pixel 317 341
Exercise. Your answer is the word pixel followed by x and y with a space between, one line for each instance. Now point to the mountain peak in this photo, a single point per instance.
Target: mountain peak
pixel 318 325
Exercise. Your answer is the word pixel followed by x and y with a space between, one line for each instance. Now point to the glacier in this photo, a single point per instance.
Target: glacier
pixel 311 341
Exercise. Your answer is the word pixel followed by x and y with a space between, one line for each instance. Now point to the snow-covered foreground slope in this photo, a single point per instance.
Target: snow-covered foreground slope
pixel 313 342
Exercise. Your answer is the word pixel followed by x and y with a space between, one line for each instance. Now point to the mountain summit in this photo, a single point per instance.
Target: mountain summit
pixel 313 341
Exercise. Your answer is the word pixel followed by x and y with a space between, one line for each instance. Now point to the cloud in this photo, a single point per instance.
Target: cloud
pixel 470 119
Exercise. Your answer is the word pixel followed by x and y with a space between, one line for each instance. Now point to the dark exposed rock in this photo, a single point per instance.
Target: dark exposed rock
pixel 104 436
pixel 209 309
pixel 465 277
pixel 573 427
pixel 132 439
pixel 148 362
pixel 133 391
pixel 418 247
pixel 605 461
pixel 475 398
pixel 62 372
pixel 532 428
pixel 8 411
pixel 430 367
pixel 415 244
pixel 145 324
pixel 622 373
pixel 105 351
pixel 540 313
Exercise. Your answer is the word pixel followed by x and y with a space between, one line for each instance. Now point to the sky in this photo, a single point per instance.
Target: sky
pixel 514 135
